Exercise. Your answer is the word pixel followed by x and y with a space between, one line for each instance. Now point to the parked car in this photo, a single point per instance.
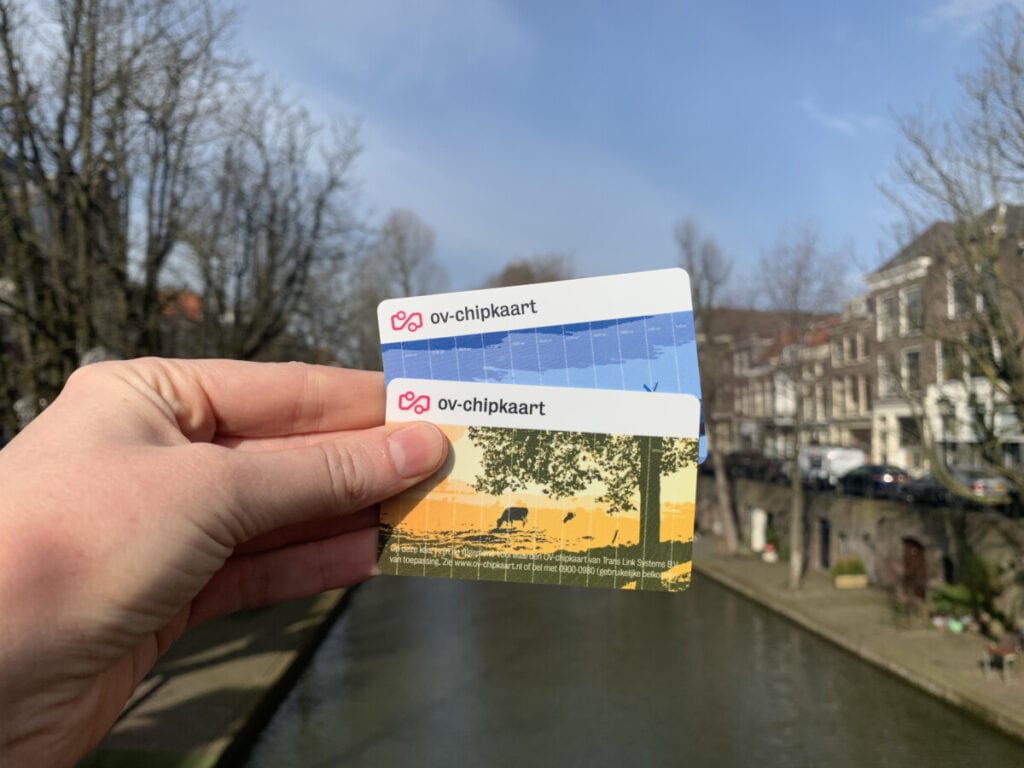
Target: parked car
pixel 985 489
pixel 874 481
pixel 748 464
pixel 926 490
pixel 984 485
pixel 821 466
pixel 778 470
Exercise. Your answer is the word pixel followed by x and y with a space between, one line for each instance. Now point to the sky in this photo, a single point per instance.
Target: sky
pixel 521 128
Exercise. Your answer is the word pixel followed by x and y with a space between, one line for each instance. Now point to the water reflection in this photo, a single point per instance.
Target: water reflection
pixel 433 672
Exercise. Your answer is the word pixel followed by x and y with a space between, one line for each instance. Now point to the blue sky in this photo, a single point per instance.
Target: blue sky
pixel 516 128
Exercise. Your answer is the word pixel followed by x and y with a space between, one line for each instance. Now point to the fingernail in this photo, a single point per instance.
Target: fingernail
pixel 416 449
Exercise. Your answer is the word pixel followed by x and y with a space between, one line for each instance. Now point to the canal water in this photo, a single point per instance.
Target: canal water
pixel 429 672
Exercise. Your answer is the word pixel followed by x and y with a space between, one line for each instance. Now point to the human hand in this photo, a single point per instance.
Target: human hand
pixel 155 494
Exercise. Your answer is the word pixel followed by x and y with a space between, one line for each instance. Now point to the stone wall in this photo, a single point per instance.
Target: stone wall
pixel 883 534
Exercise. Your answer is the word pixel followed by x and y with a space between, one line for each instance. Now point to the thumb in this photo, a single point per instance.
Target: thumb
pixel 344 474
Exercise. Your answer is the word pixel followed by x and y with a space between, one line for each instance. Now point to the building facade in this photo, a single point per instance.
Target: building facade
pixel 883 376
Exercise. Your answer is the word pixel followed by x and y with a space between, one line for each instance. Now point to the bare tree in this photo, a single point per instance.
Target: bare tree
pixel 800 280
pixel 709 268
pixel 399 263
pixel 97 121
pixel 968 173
pixel 403 255
pixel 271 209
pixel 121 123
pixel 542 268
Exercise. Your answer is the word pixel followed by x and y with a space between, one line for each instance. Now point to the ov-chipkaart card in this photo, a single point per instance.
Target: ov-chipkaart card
pixel 548 485
pixel 631 332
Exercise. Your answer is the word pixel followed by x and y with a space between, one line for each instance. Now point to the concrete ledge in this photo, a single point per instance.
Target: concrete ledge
pixel 205 703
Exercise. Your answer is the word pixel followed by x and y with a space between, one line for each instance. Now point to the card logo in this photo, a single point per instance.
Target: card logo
pixel 409 400
pixel 409 321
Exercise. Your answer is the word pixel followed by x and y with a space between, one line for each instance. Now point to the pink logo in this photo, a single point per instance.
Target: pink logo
pixel 410 401
pixel 404 320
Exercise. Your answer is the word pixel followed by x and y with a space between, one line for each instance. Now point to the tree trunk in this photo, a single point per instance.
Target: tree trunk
pixel 723 494
pixel 650 492
pixel 796 530
pixel 796 506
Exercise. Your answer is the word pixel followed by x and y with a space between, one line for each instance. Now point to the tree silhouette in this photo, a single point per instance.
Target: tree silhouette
pixel 565 463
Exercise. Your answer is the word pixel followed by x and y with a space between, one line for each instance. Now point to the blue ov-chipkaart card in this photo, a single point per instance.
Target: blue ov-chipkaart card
pixel 631 332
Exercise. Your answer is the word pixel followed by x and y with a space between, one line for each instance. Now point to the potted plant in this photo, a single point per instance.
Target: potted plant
pixel 849 573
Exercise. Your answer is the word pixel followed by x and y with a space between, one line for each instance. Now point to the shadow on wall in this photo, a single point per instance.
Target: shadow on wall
pixel 901 545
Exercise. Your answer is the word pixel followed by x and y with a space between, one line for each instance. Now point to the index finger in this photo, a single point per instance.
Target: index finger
pixel 246 399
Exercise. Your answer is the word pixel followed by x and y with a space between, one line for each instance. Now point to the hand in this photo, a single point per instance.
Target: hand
pixel 155 494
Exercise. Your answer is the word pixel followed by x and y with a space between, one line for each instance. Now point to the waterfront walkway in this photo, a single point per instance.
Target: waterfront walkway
pixel 867 623
pixel 207 699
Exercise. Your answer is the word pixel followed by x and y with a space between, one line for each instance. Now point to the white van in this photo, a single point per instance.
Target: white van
pixel 821 466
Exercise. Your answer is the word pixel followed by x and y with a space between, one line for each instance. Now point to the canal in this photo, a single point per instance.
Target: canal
pixel 428 672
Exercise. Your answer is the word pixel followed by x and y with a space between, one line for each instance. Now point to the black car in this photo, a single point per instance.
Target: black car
pixel 926 490
pixel 874 481
pixel 747 464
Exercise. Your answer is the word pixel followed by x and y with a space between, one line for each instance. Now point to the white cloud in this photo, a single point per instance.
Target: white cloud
pixel 846 124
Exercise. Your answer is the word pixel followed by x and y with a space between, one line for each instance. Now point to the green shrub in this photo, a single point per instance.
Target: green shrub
pixel 849 566
pixel 953 599
pixel 980 582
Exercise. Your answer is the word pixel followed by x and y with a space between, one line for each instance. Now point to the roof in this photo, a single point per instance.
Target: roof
pixel 821 334
pixel 942 234
pixel 754 322
pixel 936 238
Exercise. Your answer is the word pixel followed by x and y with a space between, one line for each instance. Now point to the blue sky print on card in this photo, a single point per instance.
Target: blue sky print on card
pixel 630 333
pixel 655 353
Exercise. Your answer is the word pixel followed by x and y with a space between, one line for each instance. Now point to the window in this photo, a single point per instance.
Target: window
pixel 988 287
pixel 888 316
pixel 852 396
pixel 911 311
pixel 838 400
pixel 862 347
pixel 950 428
pixel 886 380
pixel 910 432
pixel 981 353
pixel 740 362
pixel 958 295
pixel 911 370
pixel 1005 421
pixel 952 362
pixel 837 353
pixel 1011 455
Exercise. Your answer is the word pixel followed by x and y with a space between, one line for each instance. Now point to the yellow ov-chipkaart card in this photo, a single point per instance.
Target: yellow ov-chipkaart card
pixel 548 485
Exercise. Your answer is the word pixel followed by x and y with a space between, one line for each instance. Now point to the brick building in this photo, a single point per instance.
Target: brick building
pixel 885 375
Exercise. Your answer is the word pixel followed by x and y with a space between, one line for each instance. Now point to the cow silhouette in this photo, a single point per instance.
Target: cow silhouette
pixel 511 514
pixel 568 517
